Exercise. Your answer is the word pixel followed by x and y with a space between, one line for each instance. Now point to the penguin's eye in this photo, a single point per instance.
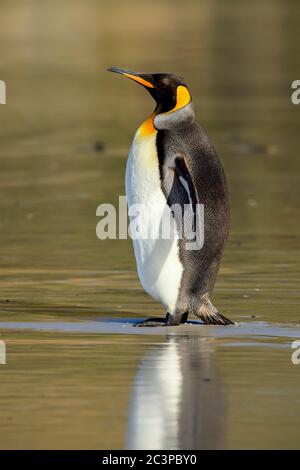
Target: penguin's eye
pixel 165 83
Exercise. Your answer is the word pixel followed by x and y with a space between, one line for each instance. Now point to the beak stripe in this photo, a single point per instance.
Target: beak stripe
pixel 139 80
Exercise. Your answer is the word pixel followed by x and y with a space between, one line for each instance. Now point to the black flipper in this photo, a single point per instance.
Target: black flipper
pixel 180 191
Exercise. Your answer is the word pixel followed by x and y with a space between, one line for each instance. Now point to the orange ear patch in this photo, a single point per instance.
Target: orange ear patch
pixel 183 98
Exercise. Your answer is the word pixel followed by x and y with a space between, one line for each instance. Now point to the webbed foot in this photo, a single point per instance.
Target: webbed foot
pixel 170 320
pixel 150 322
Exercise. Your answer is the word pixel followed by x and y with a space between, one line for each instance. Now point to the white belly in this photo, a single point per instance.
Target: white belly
pixel 158 264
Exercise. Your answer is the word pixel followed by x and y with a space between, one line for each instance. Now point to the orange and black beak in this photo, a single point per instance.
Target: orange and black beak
pixel 142 78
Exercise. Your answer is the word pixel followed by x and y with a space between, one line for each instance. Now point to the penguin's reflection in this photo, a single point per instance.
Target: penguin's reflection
pixel 178 401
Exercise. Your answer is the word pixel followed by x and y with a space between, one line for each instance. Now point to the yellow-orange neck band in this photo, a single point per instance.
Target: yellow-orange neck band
pixel 147 127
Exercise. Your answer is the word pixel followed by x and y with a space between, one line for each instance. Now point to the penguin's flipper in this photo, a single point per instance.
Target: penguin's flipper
pixel 208 313
pixel 181 191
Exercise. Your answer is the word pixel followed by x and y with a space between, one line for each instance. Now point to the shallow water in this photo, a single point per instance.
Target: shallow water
pixel 64 136
pixel 192 386
pixel 130 326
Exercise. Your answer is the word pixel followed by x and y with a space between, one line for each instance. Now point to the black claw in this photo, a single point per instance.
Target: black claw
pixel 184 317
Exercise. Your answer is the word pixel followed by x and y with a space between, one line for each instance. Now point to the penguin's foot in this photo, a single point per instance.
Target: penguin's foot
pixel 208 313
pixel 170 320
pixel 176 319
pixel 155 321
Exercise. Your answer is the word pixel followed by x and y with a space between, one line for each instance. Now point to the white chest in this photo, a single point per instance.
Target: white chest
pixel 157 259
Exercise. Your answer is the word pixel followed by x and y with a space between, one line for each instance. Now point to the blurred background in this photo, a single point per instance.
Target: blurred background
pixel 64 136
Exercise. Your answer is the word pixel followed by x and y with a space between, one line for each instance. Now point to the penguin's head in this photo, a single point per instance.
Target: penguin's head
pixel 168 90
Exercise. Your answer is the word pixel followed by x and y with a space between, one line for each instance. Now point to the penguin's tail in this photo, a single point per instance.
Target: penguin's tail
pixel 208 313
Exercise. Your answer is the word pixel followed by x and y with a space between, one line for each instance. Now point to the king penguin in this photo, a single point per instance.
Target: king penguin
pixel 172 163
